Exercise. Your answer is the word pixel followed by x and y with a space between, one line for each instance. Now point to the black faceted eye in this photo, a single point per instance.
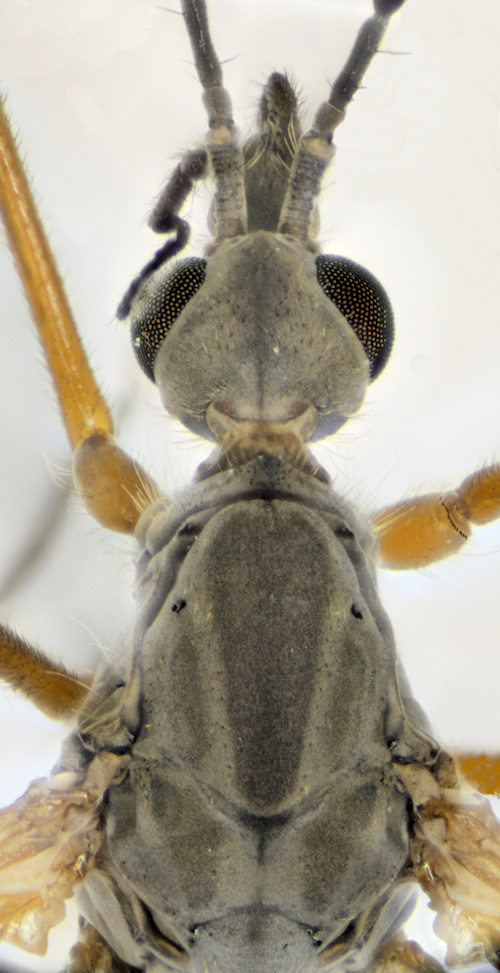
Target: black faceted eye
pixel 155 311
pixel 363 302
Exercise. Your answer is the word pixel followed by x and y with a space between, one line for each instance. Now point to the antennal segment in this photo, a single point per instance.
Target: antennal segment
pixel 316 148
pixel 228 214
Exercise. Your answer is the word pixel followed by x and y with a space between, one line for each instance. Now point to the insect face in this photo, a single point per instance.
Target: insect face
pixel 413 196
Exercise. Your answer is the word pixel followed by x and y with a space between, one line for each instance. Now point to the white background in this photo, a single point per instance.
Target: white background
pixel 105 98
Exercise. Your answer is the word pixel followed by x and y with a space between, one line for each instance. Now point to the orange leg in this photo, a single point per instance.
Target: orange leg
pixel 113 487
pixel 482 771
pixel 425 529
pixel 401 955
pixel 51 687
pixel 91 952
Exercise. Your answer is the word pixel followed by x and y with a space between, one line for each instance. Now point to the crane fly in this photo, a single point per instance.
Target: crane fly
pixel 405 196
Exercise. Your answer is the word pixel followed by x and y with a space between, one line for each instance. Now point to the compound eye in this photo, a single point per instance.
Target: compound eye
pixel 158 305
pixel 364 304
